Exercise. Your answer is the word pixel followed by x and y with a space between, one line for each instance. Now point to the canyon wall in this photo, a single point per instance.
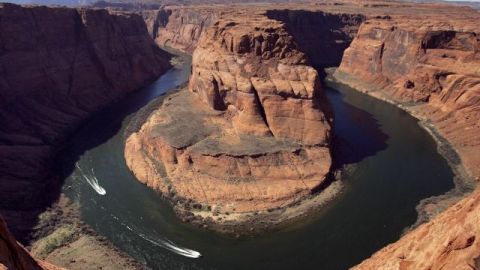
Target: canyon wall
pixel 250 135
pixel 322 36
pixel 14 257
pixel 57 66
pixel 432 69
pixel 179 28
pixel 449 241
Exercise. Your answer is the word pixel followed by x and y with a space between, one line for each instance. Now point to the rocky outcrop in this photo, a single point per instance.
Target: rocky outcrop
pixel 433 71
pixel 434 66
pixel 14 257
pixel 450 241
pixel 179 28
pixel 57 66
pixel 252 133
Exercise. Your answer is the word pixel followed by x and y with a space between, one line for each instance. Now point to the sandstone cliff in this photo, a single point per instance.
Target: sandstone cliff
pixel 57 66
pixel 258 132
pixel 450 241
pixel 14 257
pixel 435 66
pixel 322 36
pixel 432 69
pixel 179 28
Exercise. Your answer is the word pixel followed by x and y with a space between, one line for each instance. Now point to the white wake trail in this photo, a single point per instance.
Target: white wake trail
pixel 166 244
pixel 92 181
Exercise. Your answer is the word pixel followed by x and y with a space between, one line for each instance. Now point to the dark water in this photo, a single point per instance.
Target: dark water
pixel 391 164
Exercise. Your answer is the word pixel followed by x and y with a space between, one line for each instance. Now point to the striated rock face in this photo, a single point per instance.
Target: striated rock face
pixel 57 66
pixel 435 66
pixel 179 28
pixel 320 35
pixel 14 256
pixel 258 127
pixel 433 70
pixel 450 241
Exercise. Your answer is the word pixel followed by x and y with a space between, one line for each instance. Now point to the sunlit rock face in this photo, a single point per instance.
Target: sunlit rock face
pixel 431 68
pixel 435 65
pixel 252 131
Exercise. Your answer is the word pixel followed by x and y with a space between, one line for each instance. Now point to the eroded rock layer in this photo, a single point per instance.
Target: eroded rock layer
pixel 179 27
pixel 14 257
pixel 432 69
pixel 57 66
pixel 321 35
pixel 434 65
pixel 250 135
pixel 450 241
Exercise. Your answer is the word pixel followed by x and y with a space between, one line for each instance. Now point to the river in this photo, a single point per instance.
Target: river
pixel 390 163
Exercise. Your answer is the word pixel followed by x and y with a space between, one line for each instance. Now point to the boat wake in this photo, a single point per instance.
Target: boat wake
pixel 166 244
pixel 92 181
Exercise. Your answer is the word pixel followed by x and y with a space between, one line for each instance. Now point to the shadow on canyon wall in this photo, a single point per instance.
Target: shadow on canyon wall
pixel 322 36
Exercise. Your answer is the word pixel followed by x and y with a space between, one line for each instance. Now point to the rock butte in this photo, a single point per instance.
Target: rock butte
pixel 251 134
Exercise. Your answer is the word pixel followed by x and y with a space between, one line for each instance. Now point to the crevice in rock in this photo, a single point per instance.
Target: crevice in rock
pixel 261 109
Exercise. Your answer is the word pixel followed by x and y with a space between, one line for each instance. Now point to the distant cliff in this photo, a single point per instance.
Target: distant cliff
pixel 57 66
pixel 434 65
pixel 179 28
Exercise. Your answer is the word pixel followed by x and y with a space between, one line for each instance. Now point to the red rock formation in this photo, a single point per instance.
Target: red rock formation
pixel 450 241
pixel 57 66
pixel 14 257
pixel 257 135
pixel 179 28
pixel 322 36
pixel 434 65
pixel 433 70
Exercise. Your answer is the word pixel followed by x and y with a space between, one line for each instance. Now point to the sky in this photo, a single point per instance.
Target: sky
pixel 59 1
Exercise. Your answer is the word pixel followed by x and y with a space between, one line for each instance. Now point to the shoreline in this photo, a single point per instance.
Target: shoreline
pixel 62 238
pixel 464 183
pixel 271 220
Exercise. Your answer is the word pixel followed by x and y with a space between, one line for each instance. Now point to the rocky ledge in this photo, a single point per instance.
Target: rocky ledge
pixel 15 256
pixel 251 133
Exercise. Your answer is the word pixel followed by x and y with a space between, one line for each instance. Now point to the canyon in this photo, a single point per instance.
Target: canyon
pixel 14 256
pixel 247 144
pixel 53 76
pixel 429 69
pixel 58 66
